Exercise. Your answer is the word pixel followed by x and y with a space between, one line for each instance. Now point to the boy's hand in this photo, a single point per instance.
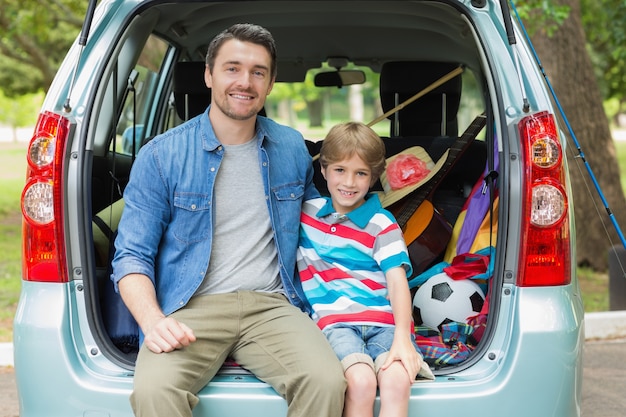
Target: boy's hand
pixel 404 351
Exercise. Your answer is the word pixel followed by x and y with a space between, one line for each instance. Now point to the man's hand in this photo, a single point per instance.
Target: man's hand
pixel 161 334
pixel 167 334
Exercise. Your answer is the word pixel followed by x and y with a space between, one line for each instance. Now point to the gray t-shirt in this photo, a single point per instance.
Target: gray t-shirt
pixel 244 255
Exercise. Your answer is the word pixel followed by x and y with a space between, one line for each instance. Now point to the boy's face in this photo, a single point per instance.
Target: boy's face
pixel 348 182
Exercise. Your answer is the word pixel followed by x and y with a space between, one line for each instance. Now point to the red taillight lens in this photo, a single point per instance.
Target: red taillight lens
pixel 545 257
pixel 43 256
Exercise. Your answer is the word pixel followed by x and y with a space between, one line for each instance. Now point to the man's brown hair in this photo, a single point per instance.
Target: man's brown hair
pixel 244 32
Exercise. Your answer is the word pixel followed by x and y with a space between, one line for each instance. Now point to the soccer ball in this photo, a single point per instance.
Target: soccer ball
pixel 442 300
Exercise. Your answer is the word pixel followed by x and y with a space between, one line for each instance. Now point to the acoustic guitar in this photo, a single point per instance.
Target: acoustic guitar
pixel 426 231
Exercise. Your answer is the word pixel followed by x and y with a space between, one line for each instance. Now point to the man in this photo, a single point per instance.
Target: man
pixel 206 247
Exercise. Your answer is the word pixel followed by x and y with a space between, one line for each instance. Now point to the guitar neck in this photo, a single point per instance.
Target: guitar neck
pixel 459 146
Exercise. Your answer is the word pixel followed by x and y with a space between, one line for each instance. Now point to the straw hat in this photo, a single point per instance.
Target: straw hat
pixel 389 196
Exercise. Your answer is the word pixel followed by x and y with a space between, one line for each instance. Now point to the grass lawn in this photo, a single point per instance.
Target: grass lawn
pixel 12 174
pixel 594 285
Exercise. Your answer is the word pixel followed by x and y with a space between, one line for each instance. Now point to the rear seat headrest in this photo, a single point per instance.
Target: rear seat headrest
pixel 423 117
pixel 191 95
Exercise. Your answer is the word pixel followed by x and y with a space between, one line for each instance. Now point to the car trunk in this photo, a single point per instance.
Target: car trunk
pixel 433 94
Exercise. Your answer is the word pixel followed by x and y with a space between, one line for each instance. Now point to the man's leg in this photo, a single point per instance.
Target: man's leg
pixel 283 346
pixel 166 383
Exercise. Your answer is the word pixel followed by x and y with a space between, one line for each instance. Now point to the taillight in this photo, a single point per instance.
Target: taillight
pixel 43 256
pixel 545 257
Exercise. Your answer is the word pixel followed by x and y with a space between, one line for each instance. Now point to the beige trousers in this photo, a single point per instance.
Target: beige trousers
pixel 263 333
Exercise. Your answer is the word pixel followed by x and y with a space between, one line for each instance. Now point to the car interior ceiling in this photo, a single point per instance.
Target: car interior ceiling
pixel 302 27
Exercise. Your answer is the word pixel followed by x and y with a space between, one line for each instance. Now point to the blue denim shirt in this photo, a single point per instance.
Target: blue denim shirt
pixel 165 229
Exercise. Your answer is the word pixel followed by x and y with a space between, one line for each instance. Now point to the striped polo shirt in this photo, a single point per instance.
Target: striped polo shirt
pixel 342 260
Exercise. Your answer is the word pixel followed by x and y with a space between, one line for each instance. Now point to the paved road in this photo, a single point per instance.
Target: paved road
pixel 604 382
pixel 604 379
pixel 8 394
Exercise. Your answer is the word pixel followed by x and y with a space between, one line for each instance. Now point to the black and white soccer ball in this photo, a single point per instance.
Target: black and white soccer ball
pixel 442 300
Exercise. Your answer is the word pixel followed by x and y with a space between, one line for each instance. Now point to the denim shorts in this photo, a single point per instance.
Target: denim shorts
pixel 361 344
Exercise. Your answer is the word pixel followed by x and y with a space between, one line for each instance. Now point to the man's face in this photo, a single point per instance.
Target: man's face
pixel 241 79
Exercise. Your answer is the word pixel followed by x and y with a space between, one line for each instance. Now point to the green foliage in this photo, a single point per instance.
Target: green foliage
pixel 620 147
pixel 12 175
pixel 34 38
pixel 307 91
pixel 10 274
pixel 322 106
pixel 541 15
pixel 604 22
pixel 12 171
pixel 20 111
pixel 594 289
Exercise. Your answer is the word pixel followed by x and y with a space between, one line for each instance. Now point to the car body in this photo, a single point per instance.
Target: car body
pixel 126 83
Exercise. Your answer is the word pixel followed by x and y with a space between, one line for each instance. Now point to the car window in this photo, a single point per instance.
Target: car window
pixel 311 110
pixel 314 110
pixel 139 102
pixel 472 102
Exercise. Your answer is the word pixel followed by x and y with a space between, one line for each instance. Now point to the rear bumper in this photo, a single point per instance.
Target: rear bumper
pixel 534 368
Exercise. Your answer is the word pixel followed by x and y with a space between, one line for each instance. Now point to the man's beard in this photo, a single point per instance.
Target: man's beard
pixel 227 110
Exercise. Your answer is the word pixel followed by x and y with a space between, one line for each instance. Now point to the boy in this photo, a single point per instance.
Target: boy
pixel 353 264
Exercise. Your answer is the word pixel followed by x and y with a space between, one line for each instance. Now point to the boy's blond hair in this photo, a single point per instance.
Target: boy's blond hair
pixel 347 139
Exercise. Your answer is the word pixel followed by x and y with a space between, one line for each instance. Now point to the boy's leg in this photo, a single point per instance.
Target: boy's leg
pixel 348 344
pixel 395 388
pixel 361 391
pixel 282 346
pixel 166 384
pixel 394 383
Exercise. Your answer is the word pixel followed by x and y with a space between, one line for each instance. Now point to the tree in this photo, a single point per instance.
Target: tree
pixel 35 35
pixel 605 25
pixel 19 111
pixel 568 65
